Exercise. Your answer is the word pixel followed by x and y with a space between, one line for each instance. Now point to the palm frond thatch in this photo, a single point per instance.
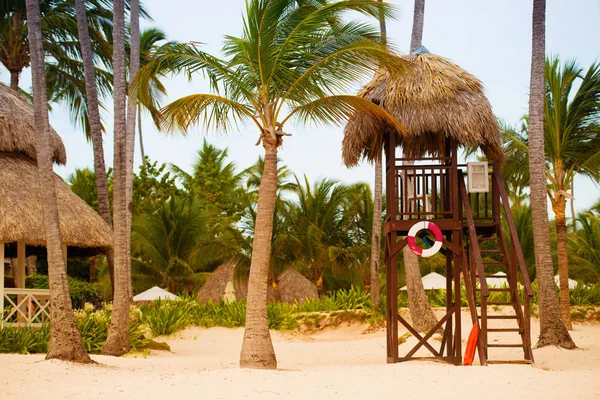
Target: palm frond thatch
pixel 17 127
pixel 21 216
pixel 438 100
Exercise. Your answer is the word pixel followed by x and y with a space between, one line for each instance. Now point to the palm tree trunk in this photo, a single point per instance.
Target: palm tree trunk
pixel 134 66
pixel 14 79
pixel 422 315
pixel 560 221
pixel 257 347
pixel 141 138
pixel 376 234
pixel 95 124
pixel 417 29
pixel 65 339
pixel 117 342
pixel 552 329
pixel 377 194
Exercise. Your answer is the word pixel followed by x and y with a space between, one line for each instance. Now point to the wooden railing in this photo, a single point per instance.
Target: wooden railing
pixel 26 307
pixel 518 252
pixel 423 191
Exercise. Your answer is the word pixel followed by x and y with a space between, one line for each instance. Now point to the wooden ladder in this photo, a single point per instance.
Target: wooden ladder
pixel 487 251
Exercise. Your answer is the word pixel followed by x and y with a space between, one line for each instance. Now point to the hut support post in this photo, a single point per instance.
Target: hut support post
pixel 64 249
pixel 1 285
pixel 19 275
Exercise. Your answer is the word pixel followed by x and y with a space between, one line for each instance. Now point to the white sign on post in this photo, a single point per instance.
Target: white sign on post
pixel 477 177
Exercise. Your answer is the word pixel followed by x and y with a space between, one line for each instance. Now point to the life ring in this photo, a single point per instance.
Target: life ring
pixel 412 243
pixel 471 345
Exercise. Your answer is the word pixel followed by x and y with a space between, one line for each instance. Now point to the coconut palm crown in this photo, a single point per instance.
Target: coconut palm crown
pixel 294 60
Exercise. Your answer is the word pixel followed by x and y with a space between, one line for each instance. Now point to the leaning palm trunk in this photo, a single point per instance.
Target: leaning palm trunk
pixel 376 235
pixel 552 329
pixel 65 340
pixel 257 347
pixel 421 313
pixel 560 221
pixel 134 65
pixel 95 124
pixel 117 342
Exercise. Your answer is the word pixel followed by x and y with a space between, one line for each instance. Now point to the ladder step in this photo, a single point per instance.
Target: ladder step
pixel 503 330
pixel 524 362
pixel 500 303
pixel 500 316
pixel 492 263
pixel 505 345
pixel 485 239
pixel 491 289
pixel 490 251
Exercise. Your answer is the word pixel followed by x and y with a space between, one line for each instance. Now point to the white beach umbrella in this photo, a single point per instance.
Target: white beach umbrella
pixel 572 282
pixel 155 293
pixel 498 280
pixel 432 281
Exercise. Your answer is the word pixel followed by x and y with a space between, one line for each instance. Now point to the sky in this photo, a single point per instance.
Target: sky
pixel 490 39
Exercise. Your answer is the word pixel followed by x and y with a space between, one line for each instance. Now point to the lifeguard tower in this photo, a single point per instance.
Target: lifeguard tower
pixel 443 110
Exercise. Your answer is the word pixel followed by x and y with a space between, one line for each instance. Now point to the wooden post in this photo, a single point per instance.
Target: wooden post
pixel 64 249
pixel 20 270
pixel 19 275
pixel 1 285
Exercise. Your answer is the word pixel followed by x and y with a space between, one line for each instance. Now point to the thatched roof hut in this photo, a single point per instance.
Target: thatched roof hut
pixel 437 100
pixel 214 288
pixel 294 287
pixel 21 216
pixel 17 127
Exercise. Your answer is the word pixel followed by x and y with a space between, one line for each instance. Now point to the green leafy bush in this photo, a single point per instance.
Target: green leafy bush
pixel 81 292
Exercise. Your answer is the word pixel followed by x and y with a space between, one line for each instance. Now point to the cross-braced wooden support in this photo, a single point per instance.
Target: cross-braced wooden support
pixel 433 189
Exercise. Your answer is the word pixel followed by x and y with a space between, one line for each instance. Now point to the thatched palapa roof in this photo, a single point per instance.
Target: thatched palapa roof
pixel 437 100
pixel 294 287
pixel 21 216
pixel 17 127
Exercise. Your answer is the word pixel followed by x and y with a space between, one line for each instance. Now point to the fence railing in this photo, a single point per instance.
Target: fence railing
pixel 25 307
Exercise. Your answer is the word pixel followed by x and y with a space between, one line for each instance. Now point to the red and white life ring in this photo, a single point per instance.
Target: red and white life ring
pixel 416 228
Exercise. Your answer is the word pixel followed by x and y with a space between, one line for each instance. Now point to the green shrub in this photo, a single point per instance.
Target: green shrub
pixel 24 340
pixel 81 292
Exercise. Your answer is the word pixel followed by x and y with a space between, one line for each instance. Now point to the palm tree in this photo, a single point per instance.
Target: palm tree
pixel 319 229
pixel 59 22
pixel 552 328
pixel 117 342
pixel 174 246
pixel 572 147
pixel 585 246
pixel 93 112
pixel 572 127
pixel 65 340
pixel 291 62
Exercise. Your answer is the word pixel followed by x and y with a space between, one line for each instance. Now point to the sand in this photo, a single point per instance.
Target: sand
pixel 344 363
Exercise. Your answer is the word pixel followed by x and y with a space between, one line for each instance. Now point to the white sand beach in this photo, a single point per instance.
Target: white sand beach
pixel 344 363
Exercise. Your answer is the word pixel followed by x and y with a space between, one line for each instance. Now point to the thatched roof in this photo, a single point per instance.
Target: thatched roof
pixel 17 127
pixel 437 100
pixel 21 216
pixel 294 287
pixel 214 288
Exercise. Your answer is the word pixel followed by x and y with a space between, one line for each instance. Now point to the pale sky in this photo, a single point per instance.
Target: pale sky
pixel 489 38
